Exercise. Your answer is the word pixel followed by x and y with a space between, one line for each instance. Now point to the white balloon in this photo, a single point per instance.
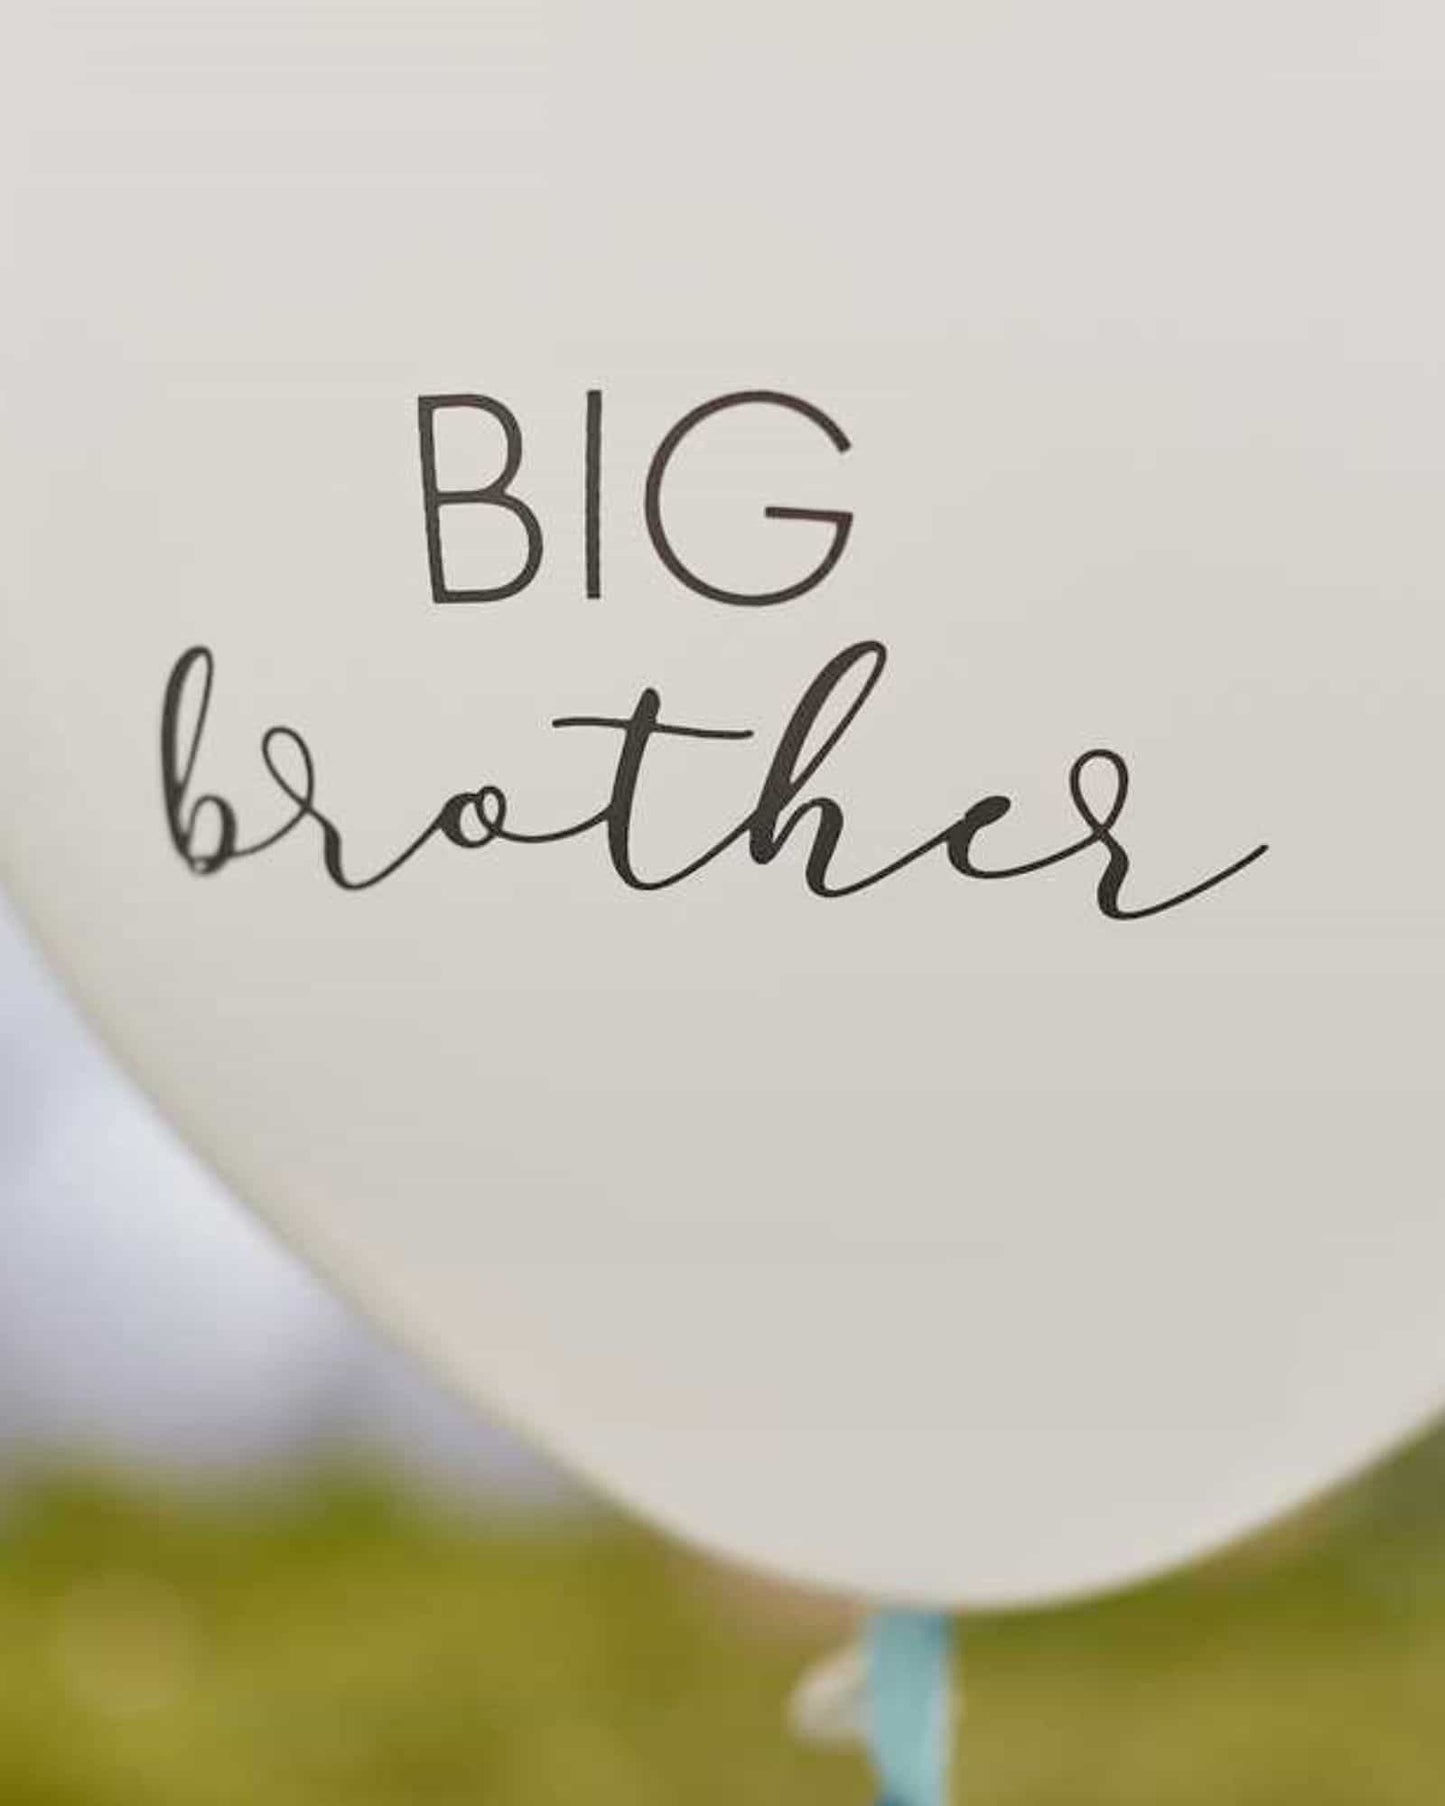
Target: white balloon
pixel 445 407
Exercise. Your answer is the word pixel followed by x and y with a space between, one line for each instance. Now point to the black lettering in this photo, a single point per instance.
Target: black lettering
pixel 204 829
pixel 841 523
pixel 496 494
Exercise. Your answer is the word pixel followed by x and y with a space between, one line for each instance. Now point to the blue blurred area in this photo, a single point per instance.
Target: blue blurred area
pixel 147 1321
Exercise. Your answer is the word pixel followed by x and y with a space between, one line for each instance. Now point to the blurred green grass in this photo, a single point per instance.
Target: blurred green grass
pixel 345 1645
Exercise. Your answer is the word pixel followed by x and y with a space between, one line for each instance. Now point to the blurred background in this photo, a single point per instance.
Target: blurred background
pixel 248 1552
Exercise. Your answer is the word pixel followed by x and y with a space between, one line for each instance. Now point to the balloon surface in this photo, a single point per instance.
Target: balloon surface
pixel 744 705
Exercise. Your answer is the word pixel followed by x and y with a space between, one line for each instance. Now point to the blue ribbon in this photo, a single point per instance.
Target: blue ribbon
pixel 910 1694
